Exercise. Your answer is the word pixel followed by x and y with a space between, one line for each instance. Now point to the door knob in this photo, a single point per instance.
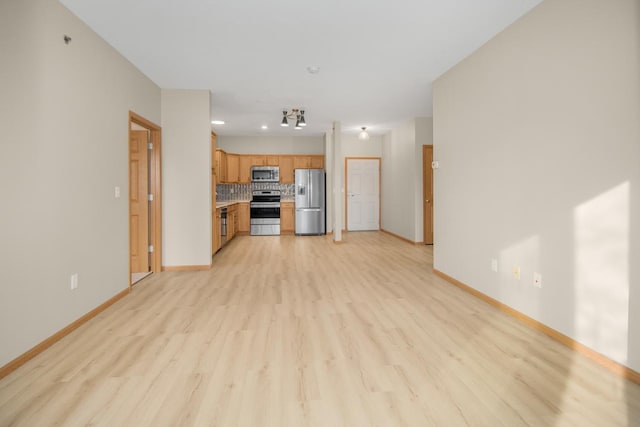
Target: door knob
pixel 427 200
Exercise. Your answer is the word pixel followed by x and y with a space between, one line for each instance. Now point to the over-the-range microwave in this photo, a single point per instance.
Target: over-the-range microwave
pixel 265 174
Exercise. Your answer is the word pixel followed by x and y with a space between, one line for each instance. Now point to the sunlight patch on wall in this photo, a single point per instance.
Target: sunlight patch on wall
pixel 601 232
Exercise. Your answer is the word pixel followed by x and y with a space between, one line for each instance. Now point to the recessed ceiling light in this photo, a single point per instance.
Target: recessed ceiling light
pixel 265 127
pixel 313 69
pixel 217 122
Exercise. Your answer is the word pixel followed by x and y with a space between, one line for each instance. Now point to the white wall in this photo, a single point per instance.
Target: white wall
pixel 186 170
pixel 353 147
pixel 538 138
pixel 402 178
pixel 271 144
pixel 63 149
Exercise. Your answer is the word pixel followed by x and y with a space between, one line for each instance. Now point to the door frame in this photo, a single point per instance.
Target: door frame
pixel 425 170
pixel 155 188
pixel 346 190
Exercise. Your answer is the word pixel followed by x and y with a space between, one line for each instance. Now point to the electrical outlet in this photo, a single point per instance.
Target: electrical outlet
pixel 116 192
pixel 494 265
pixel 74 281
pixel 537 280
pixel 516 272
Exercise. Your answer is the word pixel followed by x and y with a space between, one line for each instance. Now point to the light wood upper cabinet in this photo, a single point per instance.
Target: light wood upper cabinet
pixel 233 168
pixel 310 161
pixel 236 168
pixel 317 162
pixel 286 169
pixel 258 160
pixel 214 163
pixel 301 162
pixel 221 166
pixel 272 160
pixel 287 217
pixel 245 169
pixel 243 217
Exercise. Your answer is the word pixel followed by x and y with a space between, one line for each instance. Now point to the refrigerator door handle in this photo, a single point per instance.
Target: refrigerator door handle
pixel 309 209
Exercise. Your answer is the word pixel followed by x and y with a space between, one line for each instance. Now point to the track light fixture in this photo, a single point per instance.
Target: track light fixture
pixel 296 114
pixel 363 136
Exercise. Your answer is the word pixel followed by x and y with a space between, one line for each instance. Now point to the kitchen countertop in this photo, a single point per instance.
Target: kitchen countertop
pixel 229 203
pixel 232 202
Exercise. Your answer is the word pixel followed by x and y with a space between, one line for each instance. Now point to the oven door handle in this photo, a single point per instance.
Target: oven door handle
pixel 264 205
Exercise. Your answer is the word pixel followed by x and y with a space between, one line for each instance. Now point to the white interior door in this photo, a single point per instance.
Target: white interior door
pixel 363 194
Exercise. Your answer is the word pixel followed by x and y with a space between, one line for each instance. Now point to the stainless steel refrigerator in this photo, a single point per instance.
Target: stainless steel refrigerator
pixel 310 201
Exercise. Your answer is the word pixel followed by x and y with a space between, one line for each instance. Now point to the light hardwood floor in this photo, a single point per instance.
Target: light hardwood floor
pixel 294 331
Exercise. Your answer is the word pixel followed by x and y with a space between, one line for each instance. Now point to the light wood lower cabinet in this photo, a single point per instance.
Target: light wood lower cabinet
pixel 287 218
pixel 243 218
pixel 232 221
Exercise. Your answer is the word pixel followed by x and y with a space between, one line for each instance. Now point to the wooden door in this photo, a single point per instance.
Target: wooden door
pixel 427 192
pixel 139 201
pixel 363 194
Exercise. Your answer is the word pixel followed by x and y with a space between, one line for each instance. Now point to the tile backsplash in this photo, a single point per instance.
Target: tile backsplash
pixel 226 192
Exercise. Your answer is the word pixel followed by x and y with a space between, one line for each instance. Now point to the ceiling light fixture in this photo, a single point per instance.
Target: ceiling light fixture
pixel 363 136
pixel 264 127
pixel 217 122
pixel 296 114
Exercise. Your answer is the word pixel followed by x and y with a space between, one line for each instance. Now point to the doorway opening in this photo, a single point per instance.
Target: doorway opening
pixel 362 204
pixel 427 193
pixel 145 198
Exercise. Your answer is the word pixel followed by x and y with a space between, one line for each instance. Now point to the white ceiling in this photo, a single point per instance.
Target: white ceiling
pixel 377 58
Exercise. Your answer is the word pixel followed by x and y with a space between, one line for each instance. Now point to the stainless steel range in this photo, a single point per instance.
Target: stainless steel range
pixel 265 213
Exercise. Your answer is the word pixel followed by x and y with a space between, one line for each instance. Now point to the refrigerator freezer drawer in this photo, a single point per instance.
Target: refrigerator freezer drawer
pixel 310 221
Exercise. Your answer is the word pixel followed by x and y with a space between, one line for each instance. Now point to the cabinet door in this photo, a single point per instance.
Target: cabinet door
pixel 221 166
pixel 272 161
pixel 245 169
pixel 286 169
pixel 301 162
pixel 243 217
pixel 214 164
pixel 233 168
pixel 258 160
pixel 317 162
pixel 287 217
